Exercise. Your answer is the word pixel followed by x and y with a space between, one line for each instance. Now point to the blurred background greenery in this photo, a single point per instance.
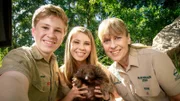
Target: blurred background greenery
pixel 144 18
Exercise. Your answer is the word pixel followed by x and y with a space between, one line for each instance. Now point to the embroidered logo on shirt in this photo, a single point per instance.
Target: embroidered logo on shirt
pixel 176 74
pixel 144 78
pixel 146 88
pixel 42 76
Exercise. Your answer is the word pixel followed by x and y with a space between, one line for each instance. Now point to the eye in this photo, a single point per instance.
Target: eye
pixel 106 41
pixel 76 42
pixel 118 37
pixel 58 31
pixel 87 43
pixel 44 27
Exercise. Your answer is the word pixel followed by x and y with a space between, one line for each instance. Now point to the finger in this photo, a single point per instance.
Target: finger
pixel 83 85
pixel 83 88
pixel 97 87
pixel 99 95
pixel 74 85
pixel 97 91
pixel 81 96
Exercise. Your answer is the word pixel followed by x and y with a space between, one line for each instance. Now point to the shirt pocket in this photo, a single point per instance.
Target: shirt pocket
pixel 149 89
pixel 43 85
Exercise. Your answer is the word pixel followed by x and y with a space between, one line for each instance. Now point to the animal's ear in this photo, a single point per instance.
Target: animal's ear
pixel 94 68
pixel 97 69
pixel 100 72
pixel 79 72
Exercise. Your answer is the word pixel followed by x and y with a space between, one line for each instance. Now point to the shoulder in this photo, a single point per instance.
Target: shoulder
pixel 19 55
pixel 21 51
pixel 146 51
pixel 103 67
pixel 149 54
pixel 18 60
pixel 61 68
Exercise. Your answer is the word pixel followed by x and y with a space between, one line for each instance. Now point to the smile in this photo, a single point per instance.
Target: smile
pixel 80 54
pixel 115 52
pixel 49 42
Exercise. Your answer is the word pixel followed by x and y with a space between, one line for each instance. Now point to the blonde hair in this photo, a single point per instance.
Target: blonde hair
pixel 114 26
pixel 48 10
pixel 69 62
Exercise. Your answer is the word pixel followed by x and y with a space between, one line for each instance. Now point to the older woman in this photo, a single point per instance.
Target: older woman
pixel 138 73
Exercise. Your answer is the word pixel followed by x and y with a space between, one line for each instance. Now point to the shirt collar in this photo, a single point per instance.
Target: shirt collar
pixel 133 57
pixel 37 55
pixel 133 61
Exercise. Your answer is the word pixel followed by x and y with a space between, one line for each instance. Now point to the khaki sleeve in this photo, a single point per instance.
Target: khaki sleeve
pixel 16 60
pixel 166 73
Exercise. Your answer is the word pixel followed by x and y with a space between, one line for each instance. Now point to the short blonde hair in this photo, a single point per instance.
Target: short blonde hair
pixel 48 10
pixel 110 26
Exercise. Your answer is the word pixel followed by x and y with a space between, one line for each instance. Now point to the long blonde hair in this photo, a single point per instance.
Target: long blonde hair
pixel 69 62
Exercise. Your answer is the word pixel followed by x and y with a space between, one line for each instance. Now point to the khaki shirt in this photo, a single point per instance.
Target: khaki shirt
pixel 42 76
pixel 150 76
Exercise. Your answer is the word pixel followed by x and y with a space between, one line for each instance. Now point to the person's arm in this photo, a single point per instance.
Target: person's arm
pixel 167 75
pixel 175 98
pixel 13 86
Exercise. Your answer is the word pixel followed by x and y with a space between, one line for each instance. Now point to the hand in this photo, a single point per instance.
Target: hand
pixel 77 92
pixel 99 94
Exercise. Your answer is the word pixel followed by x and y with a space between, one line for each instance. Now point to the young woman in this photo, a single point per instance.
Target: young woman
pixel 139 74
pixel 80 49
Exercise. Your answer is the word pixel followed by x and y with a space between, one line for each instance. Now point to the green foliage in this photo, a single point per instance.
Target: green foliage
pixel 143 18
pixel 3 52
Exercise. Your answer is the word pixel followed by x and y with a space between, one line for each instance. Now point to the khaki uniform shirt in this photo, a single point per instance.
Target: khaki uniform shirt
pixel 42 76
pixel 150 76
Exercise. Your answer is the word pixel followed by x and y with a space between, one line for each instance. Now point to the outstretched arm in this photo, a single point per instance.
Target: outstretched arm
pixel 13 86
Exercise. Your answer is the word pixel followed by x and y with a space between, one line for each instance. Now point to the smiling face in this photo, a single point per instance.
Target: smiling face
pixel 115 39
pixel 116 46
pixel 48 34
pixel 80 47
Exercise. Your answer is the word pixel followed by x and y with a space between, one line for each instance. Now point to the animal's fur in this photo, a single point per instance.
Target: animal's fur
pixel 91 76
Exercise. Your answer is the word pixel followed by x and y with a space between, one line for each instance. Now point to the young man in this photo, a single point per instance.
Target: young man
pixel 31 73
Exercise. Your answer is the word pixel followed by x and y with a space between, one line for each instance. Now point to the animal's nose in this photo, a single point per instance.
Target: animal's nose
pixel 86 77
